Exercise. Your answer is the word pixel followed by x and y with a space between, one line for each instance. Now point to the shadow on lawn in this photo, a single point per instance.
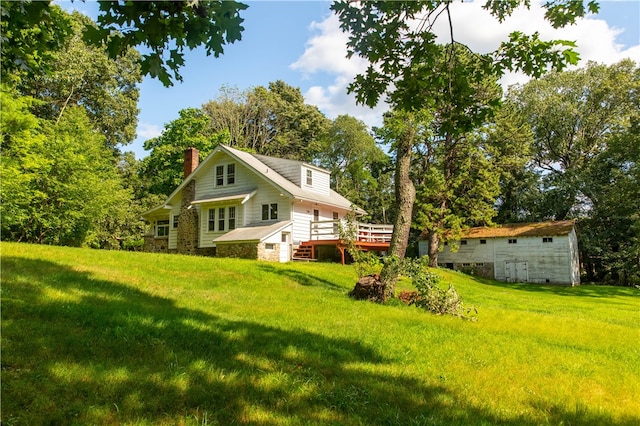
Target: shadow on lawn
pixel 302 278
pixel 77 349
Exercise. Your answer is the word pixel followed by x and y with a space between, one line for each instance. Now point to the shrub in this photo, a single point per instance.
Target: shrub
pixel 430 296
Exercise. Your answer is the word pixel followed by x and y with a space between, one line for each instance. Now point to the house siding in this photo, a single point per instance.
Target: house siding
pixel 529 259
pixel 256 183
pixel 320 182
pixel 206 236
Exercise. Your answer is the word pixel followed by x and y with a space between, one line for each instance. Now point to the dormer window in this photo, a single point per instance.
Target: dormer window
pixel 219 175
pixel 309 177
pixel 225 173
pixel 231 174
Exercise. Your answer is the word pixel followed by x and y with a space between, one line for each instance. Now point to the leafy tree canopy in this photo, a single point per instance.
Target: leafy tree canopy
pixel 83 75
pixel 165 28
pixel 58 179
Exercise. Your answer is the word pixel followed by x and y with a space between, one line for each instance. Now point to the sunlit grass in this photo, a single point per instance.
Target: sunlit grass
pixel 95 337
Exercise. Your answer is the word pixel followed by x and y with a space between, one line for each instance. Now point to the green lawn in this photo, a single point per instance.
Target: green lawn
pixel 99 337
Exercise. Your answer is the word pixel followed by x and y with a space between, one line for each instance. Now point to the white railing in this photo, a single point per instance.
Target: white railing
pixel 365 232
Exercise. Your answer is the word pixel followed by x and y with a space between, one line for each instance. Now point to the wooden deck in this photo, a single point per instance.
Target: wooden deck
pixel 367 237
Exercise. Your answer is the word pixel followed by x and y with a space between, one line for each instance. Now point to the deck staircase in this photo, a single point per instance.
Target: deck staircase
pixel 304 253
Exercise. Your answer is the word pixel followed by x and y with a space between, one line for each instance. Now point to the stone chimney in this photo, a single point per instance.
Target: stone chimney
pixel 191 161
pixel 188 231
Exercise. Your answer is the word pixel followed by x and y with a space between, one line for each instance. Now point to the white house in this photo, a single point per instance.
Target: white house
pixel 238 204
pixel 545 252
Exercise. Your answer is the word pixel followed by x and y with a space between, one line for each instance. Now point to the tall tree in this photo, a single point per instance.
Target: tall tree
pixel 162 169
pixel 271 121
pixel 350 153
pixel 398 41
pixel 573 115
pixel 84 75
pixel 58 179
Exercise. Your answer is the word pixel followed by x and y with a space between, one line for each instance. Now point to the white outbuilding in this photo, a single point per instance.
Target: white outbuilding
pixel 544 252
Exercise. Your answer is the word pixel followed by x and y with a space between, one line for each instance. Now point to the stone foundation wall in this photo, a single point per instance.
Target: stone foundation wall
pixel 207 251
pixel 269 255
pixel 239 250
pixel 153 244
pixel 249 251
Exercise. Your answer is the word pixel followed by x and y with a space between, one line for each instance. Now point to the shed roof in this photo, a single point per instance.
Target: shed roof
pixel 537 229
pixel 253 232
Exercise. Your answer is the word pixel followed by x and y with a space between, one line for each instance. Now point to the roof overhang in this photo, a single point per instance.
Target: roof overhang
pixel 243 196
pixel 165 208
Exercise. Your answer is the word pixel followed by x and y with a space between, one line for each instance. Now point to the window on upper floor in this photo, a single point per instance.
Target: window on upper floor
pixel 231 174
pixel 219 175
pixel 225 173
pixel 483 241
pixel 175 220
pixel 547 239
pixel 463 242
pixel 309 177
pixel 513 241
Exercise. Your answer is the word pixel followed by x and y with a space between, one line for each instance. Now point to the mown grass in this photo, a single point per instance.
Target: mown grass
pixel 96 337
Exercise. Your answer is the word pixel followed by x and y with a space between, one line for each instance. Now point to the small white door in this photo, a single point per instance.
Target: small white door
pixel 285 247
pixel 516 272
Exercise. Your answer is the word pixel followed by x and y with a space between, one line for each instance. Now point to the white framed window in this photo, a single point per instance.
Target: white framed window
pixel 232 218
pixel 212 220
pixel 270 211
pixel 309 177
pixel 269 246
pixel 231 174
pixel 483 241
pixel 219 175
pixel 221 219
pixel 162 228
pixel 513 241
pixel 175 220
pixel 547 239
pixel 225 174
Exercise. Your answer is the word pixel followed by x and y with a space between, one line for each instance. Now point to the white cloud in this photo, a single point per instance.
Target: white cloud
pixel 326 50
pixel 147 131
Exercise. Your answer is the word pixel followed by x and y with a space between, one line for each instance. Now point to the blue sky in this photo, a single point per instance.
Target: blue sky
pixel 300 43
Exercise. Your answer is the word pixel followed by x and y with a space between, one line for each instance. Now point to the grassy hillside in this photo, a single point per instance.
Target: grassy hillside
pixel 97 337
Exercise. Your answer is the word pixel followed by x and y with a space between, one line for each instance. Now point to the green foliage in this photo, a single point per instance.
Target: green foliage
pixel 81 74
pixel 31 33
pixel 580 162
pixel 166 28
pixel 58 180
pixel 162 170
pixel 271 121
pixel 430 296
pixel 359 168
pixel 402 55
pixel 364 262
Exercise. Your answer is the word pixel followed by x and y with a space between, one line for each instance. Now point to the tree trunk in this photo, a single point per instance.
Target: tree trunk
pixel 405 197
pixel 434 241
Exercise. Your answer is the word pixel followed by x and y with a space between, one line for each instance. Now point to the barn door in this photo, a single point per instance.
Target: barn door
pixel 516 272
